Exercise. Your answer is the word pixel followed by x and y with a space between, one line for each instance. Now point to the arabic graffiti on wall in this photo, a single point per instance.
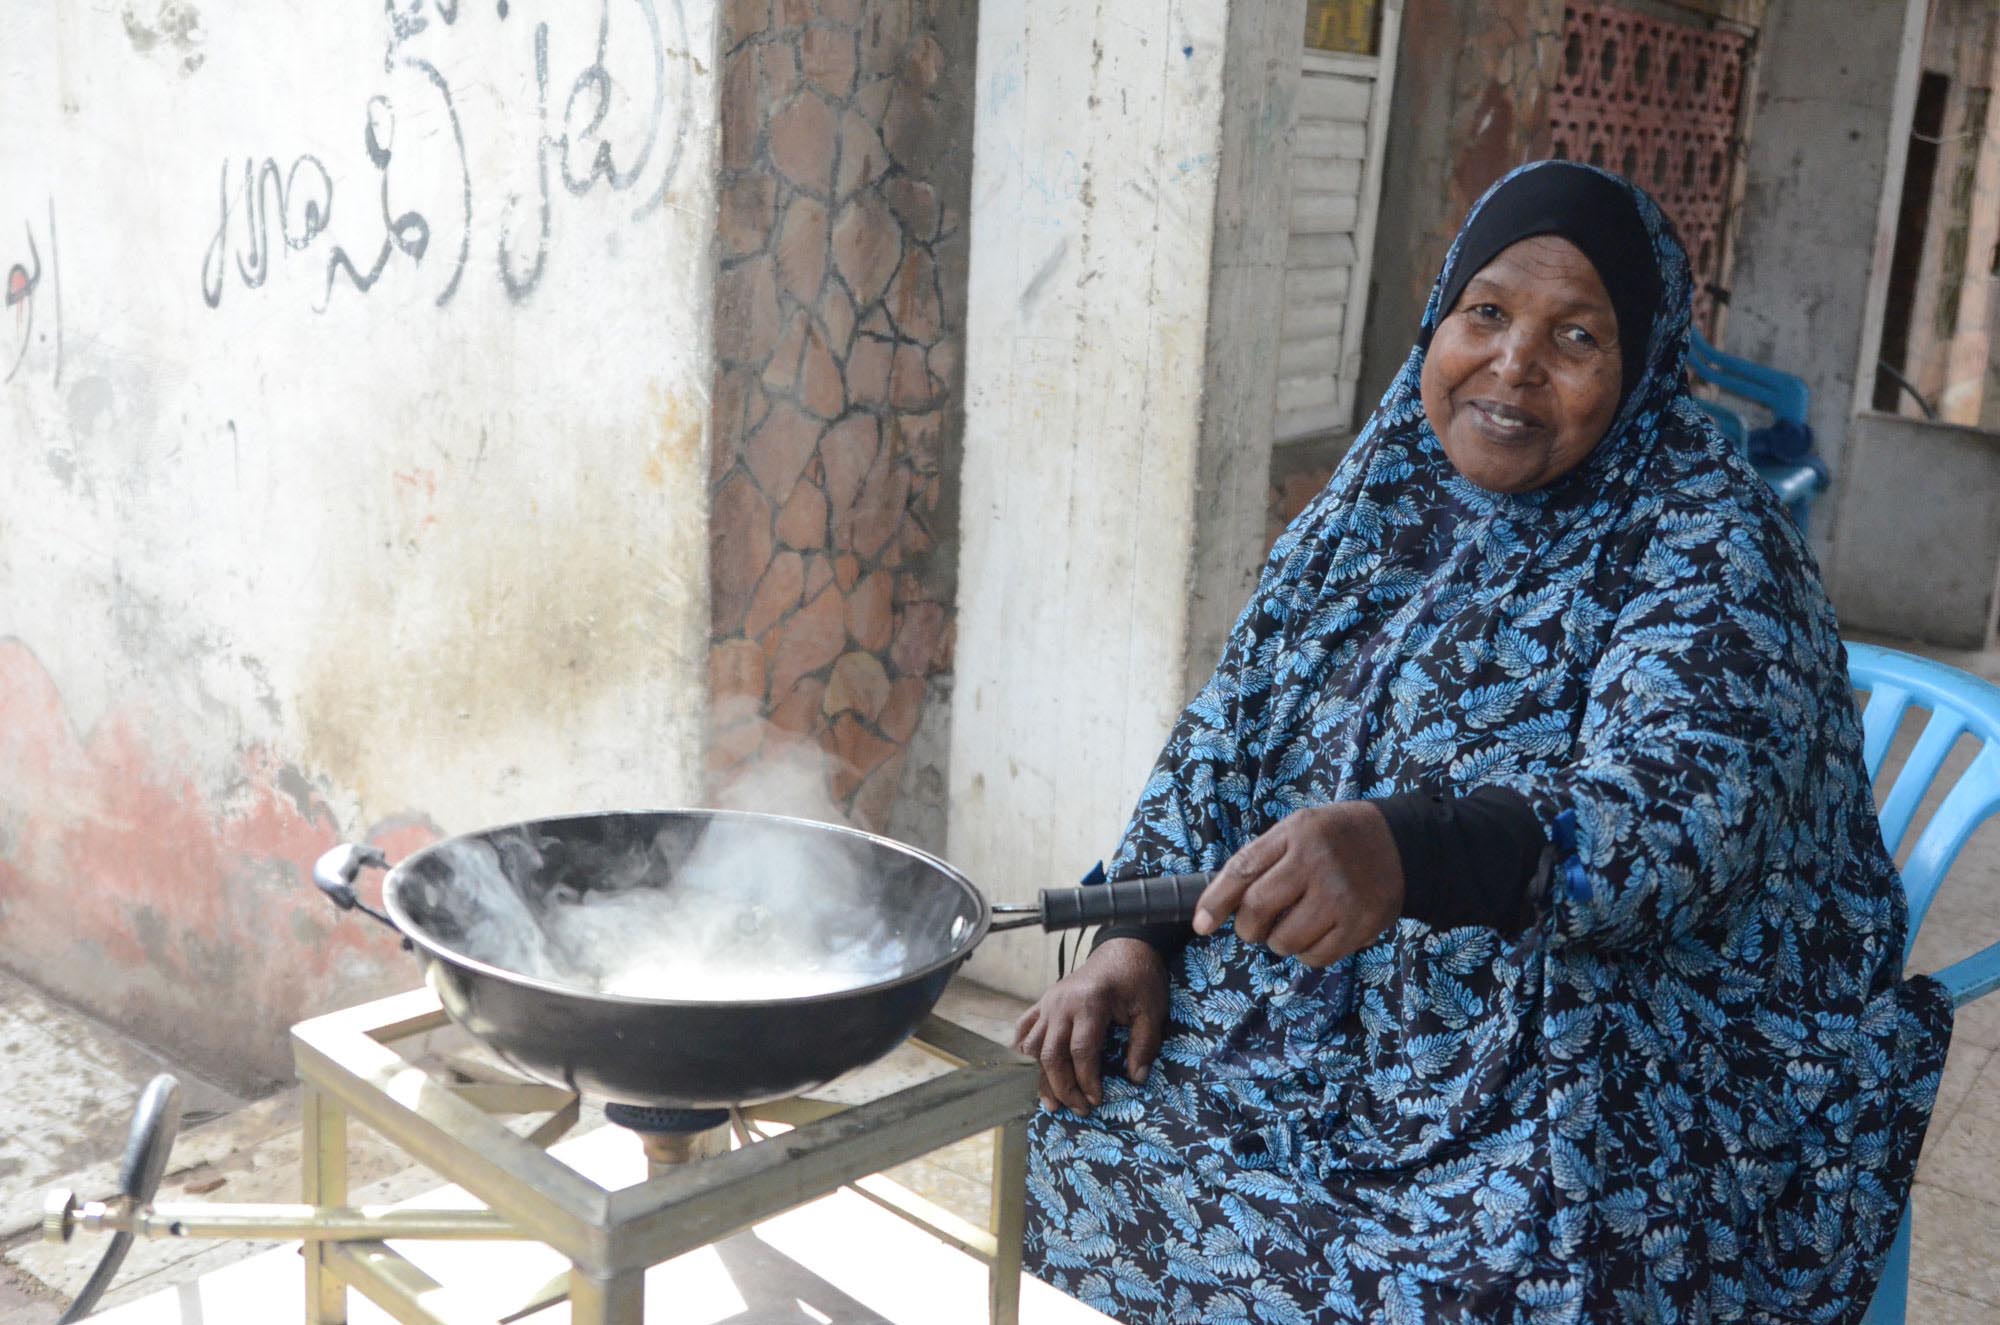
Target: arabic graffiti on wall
pixel 267 209
pixel 33 308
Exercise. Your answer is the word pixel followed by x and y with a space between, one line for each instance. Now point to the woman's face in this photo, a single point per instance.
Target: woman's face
pixel 1523 375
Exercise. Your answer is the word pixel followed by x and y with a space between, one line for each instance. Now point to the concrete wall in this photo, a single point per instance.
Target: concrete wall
pixel 1246 283
pixel 1118 199
pixel 1919 552
pixel 846 151
pixel 1824 174
pixel 355 402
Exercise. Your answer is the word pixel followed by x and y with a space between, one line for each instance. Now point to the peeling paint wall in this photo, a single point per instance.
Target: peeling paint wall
pixel 356 370
pixel 1949 329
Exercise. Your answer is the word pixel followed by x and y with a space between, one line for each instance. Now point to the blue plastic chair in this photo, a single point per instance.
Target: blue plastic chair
pixel 1785 396
pixel 1959 704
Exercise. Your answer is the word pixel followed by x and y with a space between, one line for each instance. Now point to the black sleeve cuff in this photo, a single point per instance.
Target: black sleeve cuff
pixel 1467 860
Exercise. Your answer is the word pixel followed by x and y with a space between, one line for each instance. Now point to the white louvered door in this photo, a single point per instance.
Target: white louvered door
pixel 1342 120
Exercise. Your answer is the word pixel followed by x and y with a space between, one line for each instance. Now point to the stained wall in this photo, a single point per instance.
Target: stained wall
pixel 1949 338
pixel 1823 177
pixel 354 377
pixel 1920 558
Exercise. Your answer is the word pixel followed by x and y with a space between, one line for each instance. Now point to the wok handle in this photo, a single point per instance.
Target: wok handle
pixel 334 874
pixel 1162 899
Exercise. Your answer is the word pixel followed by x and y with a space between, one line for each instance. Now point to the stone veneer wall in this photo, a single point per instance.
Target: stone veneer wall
pixel 840 316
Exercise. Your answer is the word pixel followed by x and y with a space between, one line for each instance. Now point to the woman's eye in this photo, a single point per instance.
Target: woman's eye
pixel 1484 312
pixel 1579 336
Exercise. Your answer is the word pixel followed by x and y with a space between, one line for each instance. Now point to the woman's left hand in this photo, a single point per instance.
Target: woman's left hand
pixel 1321 885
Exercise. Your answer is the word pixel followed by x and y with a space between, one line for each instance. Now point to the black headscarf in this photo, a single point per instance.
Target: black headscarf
pixel 1592 211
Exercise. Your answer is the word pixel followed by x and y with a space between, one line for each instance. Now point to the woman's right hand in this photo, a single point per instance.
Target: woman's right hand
pixel 1123 982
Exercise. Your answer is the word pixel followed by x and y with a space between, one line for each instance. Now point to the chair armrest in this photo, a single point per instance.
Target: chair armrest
pixel 1975 977
pixel 1792 482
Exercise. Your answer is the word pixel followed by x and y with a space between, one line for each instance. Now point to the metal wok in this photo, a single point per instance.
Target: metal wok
pixel 559 1027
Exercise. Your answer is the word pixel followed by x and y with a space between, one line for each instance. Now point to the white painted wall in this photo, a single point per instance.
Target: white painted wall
pixel 441 540
pixel 1097 154
pixel 432 541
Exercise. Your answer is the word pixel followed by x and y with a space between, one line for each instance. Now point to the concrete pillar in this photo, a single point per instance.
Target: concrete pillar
pixel 1129 200
pixel 1989 409
pixel 1824 177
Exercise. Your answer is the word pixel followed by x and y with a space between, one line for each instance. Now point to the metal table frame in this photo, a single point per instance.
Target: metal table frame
pixel 349 1068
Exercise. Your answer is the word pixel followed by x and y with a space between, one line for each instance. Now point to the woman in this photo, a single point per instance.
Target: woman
pixel 1554 970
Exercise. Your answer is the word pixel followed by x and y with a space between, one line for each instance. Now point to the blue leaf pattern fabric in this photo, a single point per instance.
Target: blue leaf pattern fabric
pixel 1695 1089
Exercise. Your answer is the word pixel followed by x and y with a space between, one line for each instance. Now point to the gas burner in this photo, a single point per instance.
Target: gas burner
pixel 674 1136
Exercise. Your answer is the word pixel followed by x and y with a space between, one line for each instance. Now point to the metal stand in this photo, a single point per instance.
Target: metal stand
pixel 349 1068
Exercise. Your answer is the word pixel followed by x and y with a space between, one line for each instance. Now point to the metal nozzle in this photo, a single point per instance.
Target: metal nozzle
pixel 59 1215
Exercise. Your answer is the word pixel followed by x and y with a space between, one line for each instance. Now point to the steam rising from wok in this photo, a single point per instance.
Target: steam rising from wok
pixel 749 914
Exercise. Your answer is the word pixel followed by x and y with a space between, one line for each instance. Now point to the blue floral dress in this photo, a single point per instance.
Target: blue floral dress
pixel 1695 1089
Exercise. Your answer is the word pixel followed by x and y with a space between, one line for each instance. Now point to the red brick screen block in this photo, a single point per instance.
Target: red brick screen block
pixel 1657 102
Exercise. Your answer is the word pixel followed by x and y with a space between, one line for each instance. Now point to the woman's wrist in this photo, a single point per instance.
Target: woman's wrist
pixel 1163 939
pixel 1126 950
pixel 1371 850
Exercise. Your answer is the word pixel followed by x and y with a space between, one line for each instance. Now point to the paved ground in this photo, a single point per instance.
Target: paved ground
pixel 72 1083
pixel 70 1087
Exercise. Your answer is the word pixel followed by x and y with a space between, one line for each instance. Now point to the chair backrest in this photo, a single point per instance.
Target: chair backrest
pixel 1782 393
pixel 1959 704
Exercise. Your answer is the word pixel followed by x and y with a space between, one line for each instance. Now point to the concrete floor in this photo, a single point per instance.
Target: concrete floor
pixel 72 1083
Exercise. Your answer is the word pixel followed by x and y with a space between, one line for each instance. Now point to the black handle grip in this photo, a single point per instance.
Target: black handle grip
pixel 1162 899
pixel 334 874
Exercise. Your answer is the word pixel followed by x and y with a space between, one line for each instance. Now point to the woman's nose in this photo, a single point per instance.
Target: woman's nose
pixel 1519 358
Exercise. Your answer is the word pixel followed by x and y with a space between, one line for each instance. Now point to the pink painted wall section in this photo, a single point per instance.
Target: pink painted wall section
pixel 162 904
pixel 846 144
